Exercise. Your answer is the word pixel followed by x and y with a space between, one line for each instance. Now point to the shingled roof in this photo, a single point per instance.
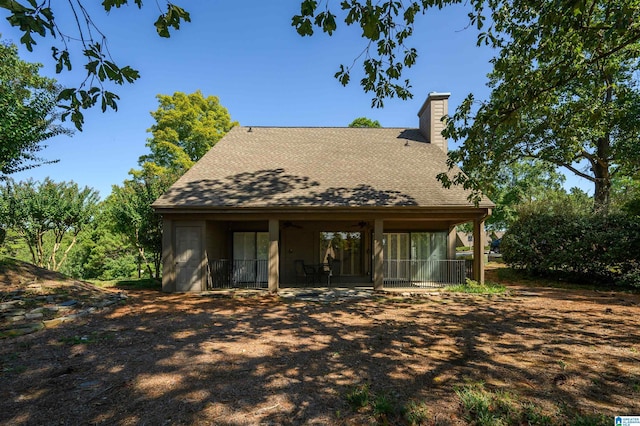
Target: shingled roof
pixel 260 167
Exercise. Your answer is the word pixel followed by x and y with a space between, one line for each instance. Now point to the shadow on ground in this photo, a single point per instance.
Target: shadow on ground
pixel 185 359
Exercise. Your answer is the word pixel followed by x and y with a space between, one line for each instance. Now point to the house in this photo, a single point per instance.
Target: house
pixel 465 239
pixel 269 207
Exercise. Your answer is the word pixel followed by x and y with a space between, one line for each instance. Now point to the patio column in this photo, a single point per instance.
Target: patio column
pixel 451 243
pixel 478 250
pixel 168 260
pixel 274 257
pixel 378 256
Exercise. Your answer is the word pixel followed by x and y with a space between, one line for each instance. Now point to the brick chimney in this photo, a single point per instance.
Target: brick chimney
pixel 434 108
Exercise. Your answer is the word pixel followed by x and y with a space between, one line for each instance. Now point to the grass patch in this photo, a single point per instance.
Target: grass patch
pixel 495 408
pixel 385 408
pixel 473 287
pixel 383 405
pixel 358 396
pixel 130 284
pixel 416 413
pixel 482 407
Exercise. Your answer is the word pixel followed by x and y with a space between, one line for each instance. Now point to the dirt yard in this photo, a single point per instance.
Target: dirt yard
pixel 183 359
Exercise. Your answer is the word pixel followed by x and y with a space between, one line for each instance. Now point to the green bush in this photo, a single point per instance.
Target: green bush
pixel 605 248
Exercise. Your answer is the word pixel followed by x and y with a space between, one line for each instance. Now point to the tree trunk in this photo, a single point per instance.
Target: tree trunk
pixel 66 252
pixel 600 167
pixel 600 164
pixel 602 196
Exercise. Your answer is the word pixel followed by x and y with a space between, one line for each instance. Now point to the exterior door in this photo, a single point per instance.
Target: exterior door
pixel 188 258
pixel 250 257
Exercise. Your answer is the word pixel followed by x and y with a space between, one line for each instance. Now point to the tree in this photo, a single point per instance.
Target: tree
pixel 625 194
pixel 518 183
pixel 48 210
pixel 131 214
pixel 365 122
pixel 554 58
pixel 186 127
pixel 39 17
pixel 101 253
pixel 564 91
pixel 27 112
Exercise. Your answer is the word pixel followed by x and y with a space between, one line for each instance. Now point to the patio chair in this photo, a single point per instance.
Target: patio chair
pixel 309 273
pixel 304 273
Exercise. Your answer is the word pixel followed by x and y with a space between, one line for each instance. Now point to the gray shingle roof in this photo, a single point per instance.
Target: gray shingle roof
pixel 329 167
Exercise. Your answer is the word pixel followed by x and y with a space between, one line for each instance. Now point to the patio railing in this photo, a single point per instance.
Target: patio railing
pixel 224 273
pixel 253 274
pixel 423 273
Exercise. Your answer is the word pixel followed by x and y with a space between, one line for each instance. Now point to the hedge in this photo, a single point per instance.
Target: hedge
pixel 602 248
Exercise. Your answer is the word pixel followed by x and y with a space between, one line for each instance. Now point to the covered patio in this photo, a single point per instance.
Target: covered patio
pixel 368 249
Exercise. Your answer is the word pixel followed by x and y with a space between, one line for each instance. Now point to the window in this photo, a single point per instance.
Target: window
pixel 344 247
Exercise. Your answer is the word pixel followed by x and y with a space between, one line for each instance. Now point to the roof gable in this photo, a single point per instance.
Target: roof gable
pixel 312 167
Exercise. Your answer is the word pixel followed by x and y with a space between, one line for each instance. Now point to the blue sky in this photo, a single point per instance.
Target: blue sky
pixel 248 54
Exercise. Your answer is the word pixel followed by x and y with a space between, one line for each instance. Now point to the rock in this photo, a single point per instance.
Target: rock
pixel 68 303
pixel 54 322
pixel 5 306
pixel 34 315
pixel 16 318
pixel 14 312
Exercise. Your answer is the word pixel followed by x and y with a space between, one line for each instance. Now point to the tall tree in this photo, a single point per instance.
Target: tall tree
pixel 131 214
pixel 60 211
pixel 519 183
pixel 565 94
pixel 186 127
pixel 28 114
pixel 365 122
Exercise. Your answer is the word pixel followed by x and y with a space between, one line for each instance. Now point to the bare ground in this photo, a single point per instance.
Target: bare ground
pixel 185 359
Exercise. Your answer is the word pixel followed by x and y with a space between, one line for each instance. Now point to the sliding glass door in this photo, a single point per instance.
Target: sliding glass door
pixel 414 256
pixel 250 256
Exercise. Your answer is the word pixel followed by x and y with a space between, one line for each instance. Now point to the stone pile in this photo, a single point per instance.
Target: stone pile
pixel 26 311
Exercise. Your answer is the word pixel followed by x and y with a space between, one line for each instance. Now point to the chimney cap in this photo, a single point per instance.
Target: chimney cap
pixel 433 96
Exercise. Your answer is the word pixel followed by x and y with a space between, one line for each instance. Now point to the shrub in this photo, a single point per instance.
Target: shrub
pixel 602 247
